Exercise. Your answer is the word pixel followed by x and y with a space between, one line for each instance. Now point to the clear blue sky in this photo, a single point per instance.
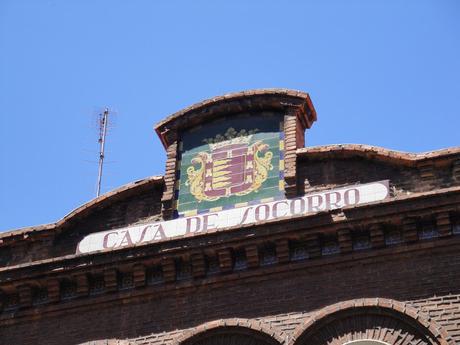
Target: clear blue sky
pixel 385 73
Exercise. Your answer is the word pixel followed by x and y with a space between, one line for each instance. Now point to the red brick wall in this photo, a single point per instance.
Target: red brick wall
pixel 314 173
pixel 429 280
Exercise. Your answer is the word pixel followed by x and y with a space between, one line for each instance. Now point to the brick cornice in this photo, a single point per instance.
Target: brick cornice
pixel 400 207
pixel 228 280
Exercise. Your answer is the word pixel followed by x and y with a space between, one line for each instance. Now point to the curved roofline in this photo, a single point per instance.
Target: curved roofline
pixel 374 152
pixel 100 201
pixel 309 117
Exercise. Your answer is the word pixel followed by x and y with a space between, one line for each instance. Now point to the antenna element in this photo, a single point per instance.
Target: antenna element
pixel 103 122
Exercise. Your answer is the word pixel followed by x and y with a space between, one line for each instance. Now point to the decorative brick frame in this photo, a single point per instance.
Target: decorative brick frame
pixel 400 310
pixel 257 328
pixel 299 115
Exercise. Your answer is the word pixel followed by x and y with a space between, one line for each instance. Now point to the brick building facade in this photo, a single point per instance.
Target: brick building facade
pixel 317 263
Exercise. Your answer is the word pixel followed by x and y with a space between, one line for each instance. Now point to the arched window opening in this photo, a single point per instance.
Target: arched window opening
pixel 230 336
pixel 367 326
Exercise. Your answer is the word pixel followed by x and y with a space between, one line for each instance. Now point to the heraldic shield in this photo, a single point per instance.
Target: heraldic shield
pixel 232 166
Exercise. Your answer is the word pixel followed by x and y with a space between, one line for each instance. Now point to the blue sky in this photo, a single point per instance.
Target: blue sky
pixel 385 73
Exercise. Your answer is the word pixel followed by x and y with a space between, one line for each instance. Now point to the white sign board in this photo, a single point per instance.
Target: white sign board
pixel 308 204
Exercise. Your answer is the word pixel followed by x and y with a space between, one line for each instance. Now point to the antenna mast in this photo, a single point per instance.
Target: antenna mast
pixel 103 122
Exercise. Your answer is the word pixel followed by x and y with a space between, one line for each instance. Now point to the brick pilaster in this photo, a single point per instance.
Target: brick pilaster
pixel 169 270
pixel 139 275
pixel 225 260
pixel 25 295
pixel 252 256
pixel 170 180
pixel 443 224
pixel 282 250
pixel 198 265
pixel 377 235
pixel 410 230
pixel 345 242
pixel 53 287
pixel 110 279
pixel 314 247
pixel 290 156
pixel 82 284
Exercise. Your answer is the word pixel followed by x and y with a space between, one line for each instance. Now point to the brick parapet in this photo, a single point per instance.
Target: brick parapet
pixel 37 243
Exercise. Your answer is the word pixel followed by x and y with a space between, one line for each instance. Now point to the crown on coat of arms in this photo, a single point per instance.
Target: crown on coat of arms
pixel 231 136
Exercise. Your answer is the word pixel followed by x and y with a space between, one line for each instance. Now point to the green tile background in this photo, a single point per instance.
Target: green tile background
pixel 192 142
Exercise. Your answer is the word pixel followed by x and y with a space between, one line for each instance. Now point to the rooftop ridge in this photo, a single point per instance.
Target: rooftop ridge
pixel 371 151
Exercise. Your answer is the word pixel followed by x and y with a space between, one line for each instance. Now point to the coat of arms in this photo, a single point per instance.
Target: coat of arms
pixel 232 166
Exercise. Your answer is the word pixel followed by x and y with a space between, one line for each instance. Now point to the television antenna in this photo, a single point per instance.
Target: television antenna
pixel 103 124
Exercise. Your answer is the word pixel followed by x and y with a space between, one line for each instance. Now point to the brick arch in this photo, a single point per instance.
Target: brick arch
pixel 257 329
pixel 370 311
